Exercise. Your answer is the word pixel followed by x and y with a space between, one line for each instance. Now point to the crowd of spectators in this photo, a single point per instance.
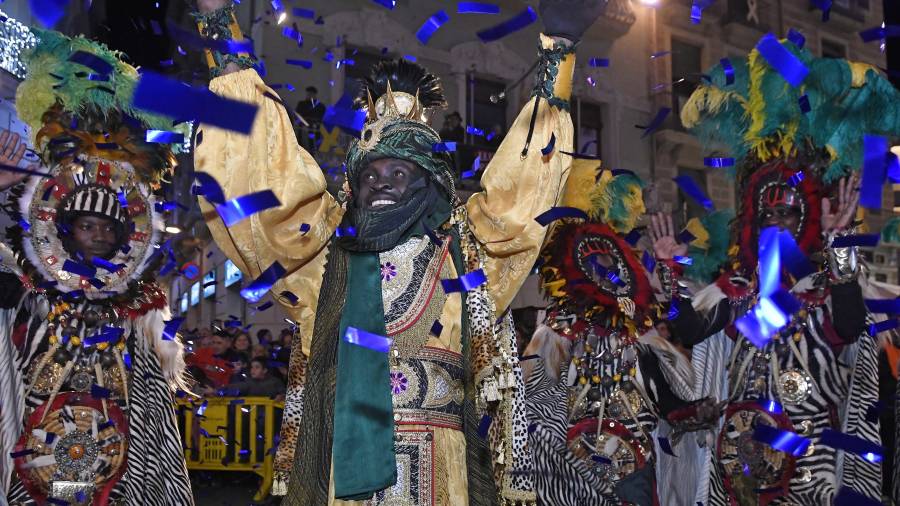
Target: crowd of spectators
pixel 231 361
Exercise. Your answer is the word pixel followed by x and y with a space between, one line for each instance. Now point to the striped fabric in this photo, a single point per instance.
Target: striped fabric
pixel 95 199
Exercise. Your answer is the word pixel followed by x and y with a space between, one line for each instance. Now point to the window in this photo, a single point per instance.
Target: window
pixel 195 294
pixel 209 284
pixel 485 115
pixel 686 66
pixel 687 207
pixel 833 49
pixel 881 277
pixel 879 259
pixel 232 273
pixel 184 302
pixel 588 120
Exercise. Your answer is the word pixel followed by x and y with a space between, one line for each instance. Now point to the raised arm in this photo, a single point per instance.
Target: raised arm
pixel 520 182
pixel 269 158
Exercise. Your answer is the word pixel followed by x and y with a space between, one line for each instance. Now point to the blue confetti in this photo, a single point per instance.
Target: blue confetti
pixel 304 228
pixel 238 208
pixel 159 95
pixel 436 328
pixel 874 171
pixel 299 63
pixel 431 25
pixel 345 117
pixel 883 306
pixel 683 260
pixel 106 264
pixel 368 340
pixel 771 405
pixel 718 162
pixel 170 330
pixel 880 33
pixel 443 147
pixel 879 327
pixel 796 179
pixel 803 102
pixel 599 62
pixel 728 69
pixel 345 232
pixel 79 269
pixel 546 150
pixel 509 26
pixel 98 392
pixel 697 7
pixel 690 188
pixel 390 4
pixel 477 8
pixel 261 285
pixel 856 240
pixel 484 425
pixel 864 448
pixel 48 12
pixel 648 261
pixel 781 440
pixel 789 66
pixel 265 306
pixel 304 13
pixel 474 131
pixel 464 283
pixel 797 38
pixel 665 445
pixel 558 213
pixel 661 115
pixel 164 137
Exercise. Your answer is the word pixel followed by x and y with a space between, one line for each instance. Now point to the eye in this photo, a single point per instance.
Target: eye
pixel 399 173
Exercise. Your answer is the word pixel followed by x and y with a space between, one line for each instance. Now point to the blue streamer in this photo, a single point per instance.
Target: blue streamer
pixel 170 330
pixel 164 137
pixel 728 69
pixel 108 334
pixel 856 240
pixel 261 285
pixel 290 297
pixel 781 440
pixel 238 208
pixel 347 118
pixel 872 452
pixel 476 8
pixel 875 149
pixel 48 12
pixel 484 425
pixel 474 131
pixel 797 38
pixel 718 162
pixel 665 445
pixel 690 188
pixel 465 282
pixel 98 392
pixel 166 97
pixel 599 62
pixel 368 340
pixel 683 260
pixel 299 63
pixel 79 269
pixel 648 261
pixel 521 20
pixel 779 58
pixel 443 147
pixel 879 327
pixel 771 405
pixel 546 150
pixel 661 115
pixel 880 33
pixel 390 4
pixel 558 213
pixel 883 306
pixel 633 237
pixel 304 13
pixel 796 179
pixel 106 265
pixel 431 25
pixel 92 61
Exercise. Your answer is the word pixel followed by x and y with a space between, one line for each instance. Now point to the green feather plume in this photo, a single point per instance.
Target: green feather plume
pixel 890 232
pixel 705 263
pixel 618 201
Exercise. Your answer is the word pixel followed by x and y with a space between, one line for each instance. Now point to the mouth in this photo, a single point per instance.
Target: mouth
pixel 381 203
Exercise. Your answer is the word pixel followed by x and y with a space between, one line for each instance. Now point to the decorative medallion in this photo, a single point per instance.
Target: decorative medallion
pixel 794 386
pixel 611 451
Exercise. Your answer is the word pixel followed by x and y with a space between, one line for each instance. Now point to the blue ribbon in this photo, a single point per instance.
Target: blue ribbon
pixel 718 162
pixel 79 269
pixel 803 102
pixel 783 61
pixel 106 264
pixel 98 392
pixel 92 61
pixel 864 448
pixel 781 440
pixel 465 282
pixel 771 405
pixel 154 93
pixel 879 327
pixel 443 147
pixel 521 20
pixel 884 306
pixel 368 340
pixel 661 115
pixel 728 69
pixel 875 149
pixel 238 208
pixel 665 445
pixel 879 33
pixel 484 425
pixel 170 330
pixel 599 62
pixel 431 25
pixel 856 240
pixel 290 297
pixel 546 150
pixel 261 285
pixel 558 213
pixel 299 63
pixel 164 137
pixel 689 187
pixel 648 261
pixel 304 13
pixel 476 8
pixel 797 38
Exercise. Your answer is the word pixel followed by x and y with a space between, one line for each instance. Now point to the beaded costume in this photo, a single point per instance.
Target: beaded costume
pixel 86 373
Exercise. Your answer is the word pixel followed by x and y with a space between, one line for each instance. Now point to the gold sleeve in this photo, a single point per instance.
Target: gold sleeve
pixel 517 189
pixel 269 158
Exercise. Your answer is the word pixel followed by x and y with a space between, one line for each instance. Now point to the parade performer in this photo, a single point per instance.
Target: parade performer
pixel 591 428
pixel 794 145
pixel 87 375
pixel 402 426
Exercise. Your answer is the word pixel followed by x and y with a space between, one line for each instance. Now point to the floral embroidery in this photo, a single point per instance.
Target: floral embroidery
pixel 399 383
pixel 388 271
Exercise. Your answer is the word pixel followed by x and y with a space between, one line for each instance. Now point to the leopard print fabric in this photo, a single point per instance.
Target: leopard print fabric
pixel 290 422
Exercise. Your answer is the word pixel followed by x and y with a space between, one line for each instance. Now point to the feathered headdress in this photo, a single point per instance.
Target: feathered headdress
pixel 709 250
pixel 753 111
pixel 614 197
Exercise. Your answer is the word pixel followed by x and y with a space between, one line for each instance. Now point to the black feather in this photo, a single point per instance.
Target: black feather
pixel 404 76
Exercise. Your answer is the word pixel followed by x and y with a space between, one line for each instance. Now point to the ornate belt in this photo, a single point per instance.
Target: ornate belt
pixel 428 389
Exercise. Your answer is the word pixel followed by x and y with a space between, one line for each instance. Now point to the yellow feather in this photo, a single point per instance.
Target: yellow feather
pixel 858 72
pixel 580 184
pixel 699 232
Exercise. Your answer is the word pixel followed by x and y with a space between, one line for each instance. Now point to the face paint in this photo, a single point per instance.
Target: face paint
pixel 780 206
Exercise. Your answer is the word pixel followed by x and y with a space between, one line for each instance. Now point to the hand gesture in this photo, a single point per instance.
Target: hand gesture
pixel 848 200
pixel 569 19
pixel 11 153
pixel 662 233
pixel 211 5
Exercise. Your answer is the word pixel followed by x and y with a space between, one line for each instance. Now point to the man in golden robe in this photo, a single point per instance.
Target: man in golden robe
pixel 436 415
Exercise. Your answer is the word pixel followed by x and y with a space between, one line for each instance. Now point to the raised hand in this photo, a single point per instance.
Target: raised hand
pixel 211 5
pixel 11 153
pixel 662 233
pixel 848 200
pixel 569 19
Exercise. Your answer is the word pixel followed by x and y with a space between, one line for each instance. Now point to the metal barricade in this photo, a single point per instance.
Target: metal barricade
pixel 231 434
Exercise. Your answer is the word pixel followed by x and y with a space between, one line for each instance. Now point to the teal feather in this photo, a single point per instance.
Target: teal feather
pixel 705 264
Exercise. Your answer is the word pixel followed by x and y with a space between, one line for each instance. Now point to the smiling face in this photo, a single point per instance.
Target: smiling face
pixel 780 207
pixel 93 236
pixel 384 182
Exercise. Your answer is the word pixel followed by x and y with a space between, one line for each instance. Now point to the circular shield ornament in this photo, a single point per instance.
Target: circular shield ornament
pixel 794 386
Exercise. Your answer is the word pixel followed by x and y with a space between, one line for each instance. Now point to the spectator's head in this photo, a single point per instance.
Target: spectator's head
pixel 287 336
pixel 259 350
pixel 263 336
pixel 241 361
pixel 662 328
pixel 220 343
pixel 258 368
pixel 311 92
pixel 242 342
pixel 203 337
pixel 453 120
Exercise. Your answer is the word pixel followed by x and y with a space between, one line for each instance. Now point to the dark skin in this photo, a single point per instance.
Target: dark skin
pixel 385 181
pixel 94 236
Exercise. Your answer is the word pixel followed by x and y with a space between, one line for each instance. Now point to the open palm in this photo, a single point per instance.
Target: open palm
pixel 848 200
pixel 662 233
pixel 11 153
